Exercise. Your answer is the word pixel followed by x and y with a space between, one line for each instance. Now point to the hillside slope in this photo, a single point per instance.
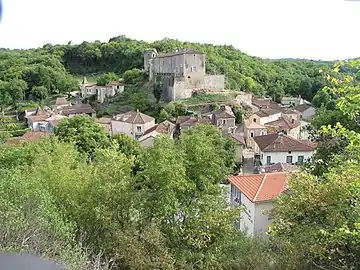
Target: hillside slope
pixel 272 77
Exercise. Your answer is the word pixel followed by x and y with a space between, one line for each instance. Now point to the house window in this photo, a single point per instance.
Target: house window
pixel 251 134
pixel 262 133
pixel 289 159
pixel 224 122
pixel 254 120
pixel 268 160
pixel 300 160
pixel 138 129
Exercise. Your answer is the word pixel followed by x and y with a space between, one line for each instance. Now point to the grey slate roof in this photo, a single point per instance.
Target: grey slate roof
pixel 134 117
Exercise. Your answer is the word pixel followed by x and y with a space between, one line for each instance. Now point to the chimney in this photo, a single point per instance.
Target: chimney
pixel 222 107
pixel 281 135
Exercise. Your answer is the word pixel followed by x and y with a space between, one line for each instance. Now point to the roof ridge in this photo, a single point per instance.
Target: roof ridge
pixel 258 191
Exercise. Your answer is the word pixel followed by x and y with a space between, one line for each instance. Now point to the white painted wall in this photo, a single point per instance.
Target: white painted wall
pixel 262 221
pixel 248 213
pixel 277 157
pixel 148 142
pixel 270 118
pixel 129 128
pixel 295 133
pixel 304 134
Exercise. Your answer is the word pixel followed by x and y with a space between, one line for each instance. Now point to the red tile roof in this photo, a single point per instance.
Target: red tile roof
pixel 28 136
pixel 261 187
pixel 282 143
pixel 190 121
pixel 284 123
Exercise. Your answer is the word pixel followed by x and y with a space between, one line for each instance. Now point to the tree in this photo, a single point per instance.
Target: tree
pixel 305 89
pixel 17 89
pixel 106 78
pixel 316 223
pixel 39 93
pixel 5 98
pixel 134 76
pixel 127 145
pixel 84 133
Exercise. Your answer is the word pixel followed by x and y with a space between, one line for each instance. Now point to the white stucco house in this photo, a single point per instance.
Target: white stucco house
pixel 265 116
pixel 306 111
pixel 36 118
pixel 277 147
pixel 255 194
pixel 132 123
pixel 101 92
pixel 285 124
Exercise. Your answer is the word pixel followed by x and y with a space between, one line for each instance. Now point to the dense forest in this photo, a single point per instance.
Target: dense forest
pixel 38 73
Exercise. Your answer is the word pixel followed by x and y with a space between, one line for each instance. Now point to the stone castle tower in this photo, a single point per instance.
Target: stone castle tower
pixel 149 55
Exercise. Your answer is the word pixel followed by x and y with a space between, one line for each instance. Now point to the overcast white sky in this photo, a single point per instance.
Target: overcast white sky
pixel 315 29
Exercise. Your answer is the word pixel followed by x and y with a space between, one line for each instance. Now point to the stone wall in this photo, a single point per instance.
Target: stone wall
pixel 245 98
pixel 214 82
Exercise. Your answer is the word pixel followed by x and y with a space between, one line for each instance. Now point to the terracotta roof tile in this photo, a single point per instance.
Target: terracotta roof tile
pixel 28 136
pixel 190 121
pixel 284 123
pixel 281 143
pixel 261 187
pixel 279 167
pixel 61 101
pixel 77 109
pixel 238 138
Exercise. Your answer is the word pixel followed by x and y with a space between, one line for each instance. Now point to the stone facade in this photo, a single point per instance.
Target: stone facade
pixel 181 73
pixel 101 92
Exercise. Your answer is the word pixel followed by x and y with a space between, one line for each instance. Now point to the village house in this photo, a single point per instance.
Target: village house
pixel 277 147
pixel 101 92
pixel 60 104
pixel 51 123
pixel 36 119
pixel 292 101
pixel 181 73
pixel 265 103
pixel 224 119
pixel 132 123
pixel 77 109
pixel 251 130
pixel 239 146
pixel 105 122
pixel 27 137
pixel 186 122
pixel 255 193
pixel 165 128
pixel 306 111
pixel 288 126
pixel 264 116
pixel 290 113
